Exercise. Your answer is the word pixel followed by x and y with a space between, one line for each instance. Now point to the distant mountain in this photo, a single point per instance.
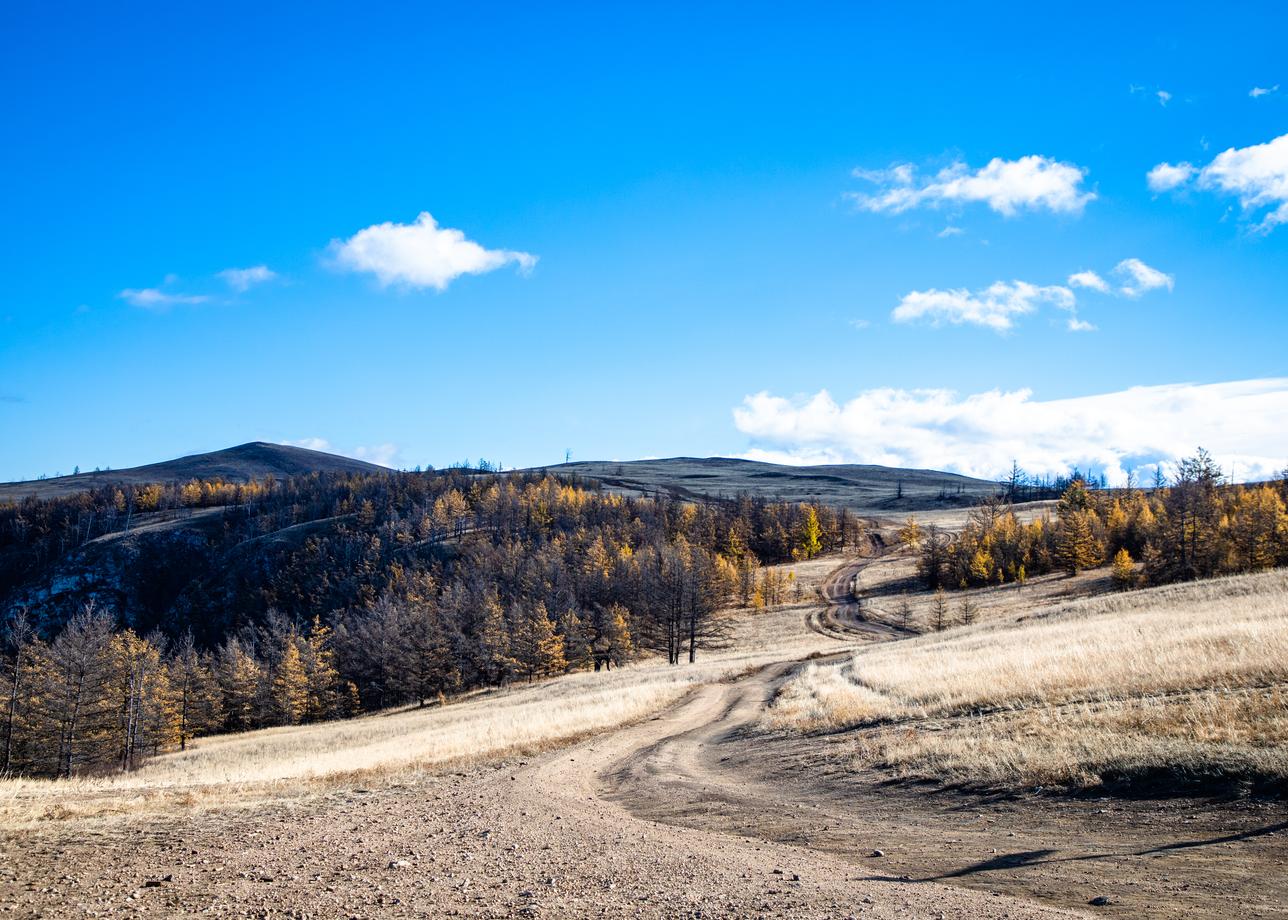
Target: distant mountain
pixel 860 487
pixel 235 464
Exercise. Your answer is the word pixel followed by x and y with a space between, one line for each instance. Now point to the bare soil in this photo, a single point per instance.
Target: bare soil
pixel 558 836
pixel 696 812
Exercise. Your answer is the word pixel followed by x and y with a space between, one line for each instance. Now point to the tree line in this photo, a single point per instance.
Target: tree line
pixel 325 596
pixel 1193 526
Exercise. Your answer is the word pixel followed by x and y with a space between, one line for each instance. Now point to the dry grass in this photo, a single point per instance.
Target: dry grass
pixel 883 585
pixel 1183 681
pixel 243 769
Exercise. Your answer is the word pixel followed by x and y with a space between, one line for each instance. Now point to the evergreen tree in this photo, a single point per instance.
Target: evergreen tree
pixel 290 686
pixel 939 610
pixel 322 681
pixel 198 702
pixel 537 648
pixel 612 640
pixel 1124 570
pixel 494 642
pixel 811 543
pixel 238 675
pixel 576 637
pixel 1077 547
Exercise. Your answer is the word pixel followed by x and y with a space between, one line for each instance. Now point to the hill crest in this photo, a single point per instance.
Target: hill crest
pixel 252 460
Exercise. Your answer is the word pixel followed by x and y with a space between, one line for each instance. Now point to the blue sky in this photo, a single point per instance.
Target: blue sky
pixel 734 229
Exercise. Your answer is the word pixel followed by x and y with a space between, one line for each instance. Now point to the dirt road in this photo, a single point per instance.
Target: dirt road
pixel 574 833
pixel 849 613
pixel 691 813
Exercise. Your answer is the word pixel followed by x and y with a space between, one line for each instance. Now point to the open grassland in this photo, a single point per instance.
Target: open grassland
pixel 520 720
pixel 1187 684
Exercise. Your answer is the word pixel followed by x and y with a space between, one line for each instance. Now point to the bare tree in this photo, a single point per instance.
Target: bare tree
pixel 77 683
pixel 19 638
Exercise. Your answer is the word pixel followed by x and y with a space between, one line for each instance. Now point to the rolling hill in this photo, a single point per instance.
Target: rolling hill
pixel 859 487
pixel 234 464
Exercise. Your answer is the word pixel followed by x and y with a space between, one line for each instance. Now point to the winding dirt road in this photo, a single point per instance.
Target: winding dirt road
pixel 687 814
pixel 633 824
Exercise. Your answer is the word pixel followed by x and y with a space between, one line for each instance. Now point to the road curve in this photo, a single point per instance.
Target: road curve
pixel 621 799
pixel 845 617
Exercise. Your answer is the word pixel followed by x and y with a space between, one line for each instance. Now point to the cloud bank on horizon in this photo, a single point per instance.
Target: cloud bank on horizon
pixel 1244 423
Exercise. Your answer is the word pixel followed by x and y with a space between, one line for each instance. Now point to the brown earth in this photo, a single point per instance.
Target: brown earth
pixel 557 836
pixel 696 812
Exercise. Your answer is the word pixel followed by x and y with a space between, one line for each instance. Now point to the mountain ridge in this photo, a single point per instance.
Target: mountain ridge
pixel 241 463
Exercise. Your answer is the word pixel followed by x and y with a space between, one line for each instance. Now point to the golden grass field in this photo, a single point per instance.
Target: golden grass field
pixel 518 720
pixel 1186 681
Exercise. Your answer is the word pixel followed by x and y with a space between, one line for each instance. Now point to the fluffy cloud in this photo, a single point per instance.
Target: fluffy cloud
pixel 1256 175
pixel 1245 422
pixel 1164 97
pixel 1140 278
pixel 242 279
pixel 421 254
pixel 157 299
pixel 1089 280
pixel 1165 176
pixel 1007 186
pixel 994 307
pixel 1258 91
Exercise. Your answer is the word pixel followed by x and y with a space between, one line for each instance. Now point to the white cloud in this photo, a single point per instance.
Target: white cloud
pixel 157 299
pixel 860 323
pixel 1256 175
pixel 380 454
pixel 1258 91
pixel 1089 280
pixel 1141 278
pixel 1164 97
pixel 997 306
pixel 242 279
pixel 1165 176
pixel 421 254
pixel 979 435
pixel 1007 186
pixel 993 307
pixel 321 444
pixel 950 231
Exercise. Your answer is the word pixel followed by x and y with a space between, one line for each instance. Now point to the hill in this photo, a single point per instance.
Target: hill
pixel 242 463
pixel 859 487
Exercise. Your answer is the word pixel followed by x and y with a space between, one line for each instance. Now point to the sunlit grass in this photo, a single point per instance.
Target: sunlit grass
pixel 1186 679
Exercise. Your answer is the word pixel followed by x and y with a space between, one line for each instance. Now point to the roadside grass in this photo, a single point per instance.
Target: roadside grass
pixel 1179 687
pixel 520 720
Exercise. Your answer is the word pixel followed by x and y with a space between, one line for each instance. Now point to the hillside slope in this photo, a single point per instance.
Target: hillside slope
pixel 242 463
pixel 859 487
